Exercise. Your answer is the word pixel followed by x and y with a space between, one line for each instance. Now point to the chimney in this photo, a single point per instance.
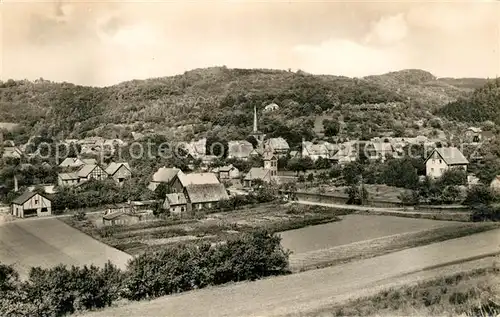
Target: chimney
pixel 16 186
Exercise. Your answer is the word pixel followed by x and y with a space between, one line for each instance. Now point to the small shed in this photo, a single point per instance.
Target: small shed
pixel 120 217
pixel 31 204
pixel 176 203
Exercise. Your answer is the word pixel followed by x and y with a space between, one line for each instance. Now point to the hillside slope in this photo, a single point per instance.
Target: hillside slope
pixel 206 99
pixel 483 104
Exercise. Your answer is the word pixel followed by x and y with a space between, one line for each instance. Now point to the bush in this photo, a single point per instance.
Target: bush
pixel 479 195
pixel 179 269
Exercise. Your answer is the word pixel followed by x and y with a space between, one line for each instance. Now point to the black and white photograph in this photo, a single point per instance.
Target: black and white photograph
pixel 249 158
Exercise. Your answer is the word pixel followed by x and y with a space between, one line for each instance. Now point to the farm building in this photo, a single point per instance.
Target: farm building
pixel 226 172
pixel 164 175
pixel 442 159
pixel 94 171
pixel 31 204
pixel 119 172
pixel 205 195
pixel 176 203
pixel 67 179
pixel 127 213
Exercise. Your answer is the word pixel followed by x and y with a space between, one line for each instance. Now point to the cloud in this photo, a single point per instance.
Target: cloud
pixel 388 30
pixel 341 56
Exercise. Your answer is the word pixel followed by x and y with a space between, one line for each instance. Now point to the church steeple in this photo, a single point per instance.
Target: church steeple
pixel 255 129
pixel 259 136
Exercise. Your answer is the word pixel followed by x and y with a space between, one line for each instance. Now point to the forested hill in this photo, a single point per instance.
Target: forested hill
pixel 483 104
pixel 208 99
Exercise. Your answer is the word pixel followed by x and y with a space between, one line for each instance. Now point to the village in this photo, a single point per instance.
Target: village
pixel 205 186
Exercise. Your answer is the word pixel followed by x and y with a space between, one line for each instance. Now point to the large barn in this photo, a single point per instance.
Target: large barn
pixel 31 204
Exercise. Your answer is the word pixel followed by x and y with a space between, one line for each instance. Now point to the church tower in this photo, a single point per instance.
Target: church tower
pixel 259 136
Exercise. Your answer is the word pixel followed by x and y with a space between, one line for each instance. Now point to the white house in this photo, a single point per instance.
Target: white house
pixel 442 159
pixel 31 204
pixel 495 184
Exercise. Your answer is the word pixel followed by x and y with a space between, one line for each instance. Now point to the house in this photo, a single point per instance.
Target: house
pixel 472 180
pixel 380 150
pixel 176 203
pixel 67 179
pixel 163 175
pixel 11 152
pixel 31 204
pixel 119 172
pixel 181 180
pixel 94 171
pixel 271 163
pixel 271 107
pixel 197 149
pixel 226 172
pixel 205 195
pixel 239 149
pixel 495 184
pixel 442 159
pixel 294 154
pixel 71 162
pixel 347 153
pixel 256 173
pixel 279 146
pixel 202 190
pixel 315 151
pixel 473 135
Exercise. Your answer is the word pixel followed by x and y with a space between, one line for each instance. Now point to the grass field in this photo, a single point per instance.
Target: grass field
pixel 476 293
pixel 49 242
pixel 383 245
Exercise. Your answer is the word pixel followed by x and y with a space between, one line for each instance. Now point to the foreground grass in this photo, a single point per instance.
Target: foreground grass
pixel 375 247
pixel 473 293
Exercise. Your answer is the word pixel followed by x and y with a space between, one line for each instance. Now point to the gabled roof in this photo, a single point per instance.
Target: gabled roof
pixel 67 176
pixel 71 162
pixel 25 197
pixel 227 168
pixel 175 199
pixel 114 167
pixel 202 193
pixel 258 173
pixel 86 170
pixel 277 144
pixel 197 179
pixel 165 174
pixel 12 151
pixel 239 149
pixel 474 129
pixel 450 155
pixel 269 156
pixel 383 147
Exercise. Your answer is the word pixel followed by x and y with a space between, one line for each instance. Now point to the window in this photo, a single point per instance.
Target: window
pixel 440 161
pixel 432 170
pixel 182 208
pixel 36 201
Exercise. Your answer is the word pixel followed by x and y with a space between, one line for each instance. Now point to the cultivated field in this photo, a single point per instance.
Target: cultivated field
pixel 49 242
pixel 215 227
pixel 312 290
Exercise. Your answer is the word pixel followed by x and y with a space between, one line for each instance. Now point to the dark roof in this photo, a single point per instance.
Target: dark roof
pixel 25 197
pixel 176 199
pixel 451 156
pixel 206 193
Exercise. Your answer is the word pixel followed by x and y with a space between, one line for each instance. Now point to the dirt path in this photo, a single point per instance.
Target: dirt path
pixel 313 289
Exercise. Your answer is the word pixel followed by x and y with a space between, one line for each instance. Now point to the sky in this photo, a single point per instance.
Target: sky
pixel 102 43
